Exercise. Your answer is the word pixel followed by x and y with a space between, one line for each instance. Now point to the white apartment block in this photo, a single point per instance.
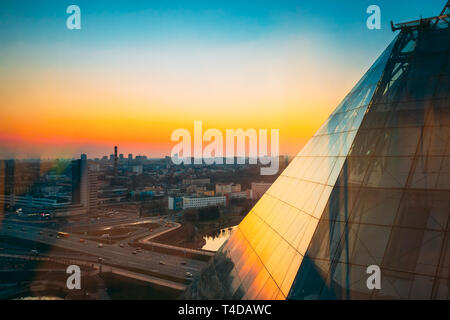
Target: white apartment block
pixel 204 202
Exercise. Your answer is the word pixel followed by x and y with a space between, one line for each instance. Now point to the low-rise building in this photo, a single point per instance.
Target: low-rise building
pixel 240 195
pixel 175 203
pixel 197 181
pixel 138 169
pixel 226 188
pixel 258 189
pixel 205 193
pixel 189 202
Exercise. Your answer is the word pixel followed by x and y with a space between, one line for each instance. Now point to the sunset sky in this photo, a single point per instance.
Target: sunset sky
pixel 137 70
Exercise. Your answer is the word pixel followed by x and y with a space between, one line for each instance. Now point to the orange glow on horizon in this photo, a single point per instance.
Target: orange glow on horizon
pixel 89 108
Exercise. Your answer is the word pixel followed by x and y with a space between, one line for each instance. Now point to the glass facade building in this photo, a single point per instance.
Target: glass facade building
pixel 371 187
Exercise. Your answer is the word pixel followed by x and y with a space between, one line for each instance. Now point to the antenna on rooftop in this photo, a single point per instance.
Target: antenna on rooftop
pixel 444 16
pixel 446 9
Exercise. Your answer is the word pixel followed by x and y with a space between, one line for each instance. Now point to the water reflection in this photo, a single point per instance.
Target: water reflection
pixel 216 239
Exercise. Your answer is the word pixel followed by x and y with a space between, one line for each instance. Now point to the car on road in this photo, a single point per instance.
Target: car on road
pixel 9 227
pixel 34 252
pixel 100 245
pixel 81 240
pixel 134 252
pixel 121 245
pixel 188 274
pixel 100 259
pixel 162 263
pixel 183 263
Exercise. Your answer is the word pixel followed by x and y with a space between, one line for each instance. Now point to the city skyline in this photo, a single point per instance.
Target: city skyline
pixel 225 150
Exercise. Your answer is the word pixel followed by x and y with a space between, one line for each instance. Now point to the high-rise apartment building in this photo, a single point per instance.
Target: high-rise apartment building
pixel 84 183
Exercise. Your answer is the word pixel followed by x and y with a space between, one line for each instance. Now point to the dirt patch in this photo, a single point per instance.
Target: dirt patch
pixel 186 236
pixel 148 225
pixel 113 232
pixel 120 231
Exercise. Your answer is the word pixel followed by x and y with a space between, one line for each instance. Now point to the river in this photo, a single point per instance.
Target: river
pixel 216 240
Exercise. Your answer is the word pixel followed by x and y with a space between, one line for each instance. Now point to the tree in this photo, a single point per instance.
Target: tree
pixel 208 213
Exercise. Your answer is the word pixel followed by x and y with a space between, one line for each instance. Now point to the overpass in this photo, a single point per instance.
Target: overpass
pixel 146 265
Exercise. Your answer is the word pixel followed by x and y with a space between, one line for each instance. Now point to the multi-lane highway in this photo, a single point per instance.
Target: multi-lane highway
pixel 118 254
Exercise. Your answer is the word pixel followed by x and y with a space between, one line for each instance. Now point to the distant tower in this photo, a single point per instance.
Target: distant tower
pixel 115 161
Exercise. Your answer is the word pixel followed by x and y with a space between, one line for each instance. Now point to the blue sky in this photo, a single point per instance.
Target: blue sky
pixel 231 20
pixel 139 69
pixel 33 26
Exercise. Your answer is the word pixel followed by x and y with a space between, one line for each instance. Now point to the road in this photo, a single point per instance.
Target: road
pixel 149 237
pixel 96 266
pixel 157 263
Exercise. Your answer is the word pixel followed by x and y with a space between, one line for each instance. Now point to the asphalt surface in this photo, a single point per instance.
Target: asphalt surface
pixel 163 264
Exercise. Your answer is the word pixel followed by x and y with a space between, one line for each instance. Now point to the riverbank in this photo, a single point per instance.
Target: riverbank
pixel 193 235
